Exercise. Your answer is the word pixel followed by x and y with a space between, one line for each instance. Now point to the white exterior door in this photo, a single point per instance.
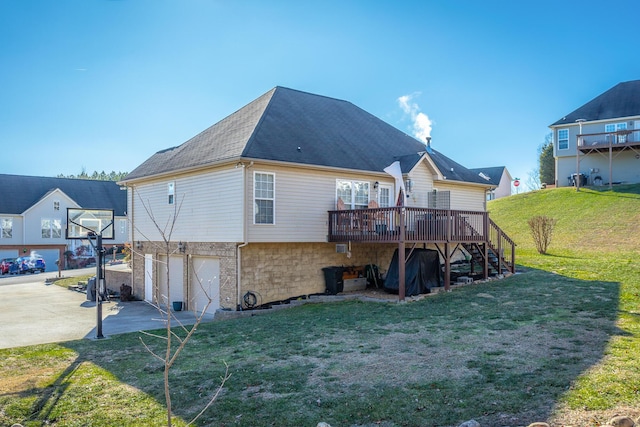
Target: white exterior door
pixel 174 279
pixel 204 284
pixel 385 196
pixel 148 277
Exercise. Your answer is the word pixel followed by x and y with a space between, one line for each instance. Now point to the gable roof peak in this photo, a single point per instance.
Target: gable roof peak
pixel 622 100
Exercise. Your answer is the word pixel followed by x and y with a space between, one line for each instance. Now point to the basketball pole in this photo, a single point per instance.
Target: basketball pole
pixel 75 231
pixel 99 282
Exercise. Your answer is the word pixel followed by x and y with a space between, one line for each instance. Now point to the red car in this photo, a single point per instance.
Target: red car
pixel 5 264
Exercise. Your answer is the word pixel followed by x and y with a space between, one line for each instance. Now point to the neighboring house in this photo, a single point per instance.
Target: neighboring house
pixel 600 141
pixel 255 199
pixel 33 214
pixel 498 176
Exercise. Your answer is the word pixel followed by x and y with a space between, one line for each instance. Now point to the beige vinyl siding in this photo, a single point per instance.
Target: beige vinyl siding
pixel 464 197
pixel 422 178
pixel 303 198
pixel 210 207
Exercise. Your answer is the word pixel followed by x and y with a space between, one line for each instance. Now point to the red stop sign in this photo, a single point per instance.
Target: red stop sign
pixel 516 183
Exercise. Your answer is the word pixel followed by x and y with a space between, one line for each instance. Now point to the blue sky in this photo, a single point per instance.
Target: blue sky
pixel 103 84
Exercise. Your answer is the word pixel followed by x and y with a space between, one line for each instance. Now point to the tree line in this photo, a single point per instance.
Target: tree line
pixel 98 176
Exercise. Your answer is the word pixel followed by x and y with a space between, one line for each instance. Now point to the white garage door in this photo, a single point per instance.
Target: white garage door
pixel 50 257
pixel 204 284
pixel 175 279
pixel 148 277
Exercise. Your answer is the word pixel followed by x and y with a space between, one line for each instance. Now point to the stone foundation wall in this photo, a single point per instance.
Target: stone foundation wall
pixel 272 271
pixel 279 271
pixel 115 278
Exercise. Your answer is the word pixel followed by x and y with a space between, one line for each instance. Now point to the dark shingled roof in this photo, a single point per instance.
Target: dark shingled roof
pixel 494 173
pixel 20 192
pixel 622 100
pixel 291 126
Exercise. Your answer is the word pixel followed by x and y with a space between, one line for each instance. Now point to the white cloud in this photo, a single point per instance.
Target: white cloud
pixel 421 122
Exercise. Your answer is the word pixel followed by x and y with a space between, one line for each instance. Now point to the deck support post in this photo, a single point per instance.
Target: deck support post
pixel 447 267
pixel 485 267
pixel 401 258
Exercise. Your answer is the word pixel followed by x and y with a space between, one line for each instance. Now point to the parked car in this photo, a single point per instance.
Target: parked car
pixel 5 264
pixel 29 264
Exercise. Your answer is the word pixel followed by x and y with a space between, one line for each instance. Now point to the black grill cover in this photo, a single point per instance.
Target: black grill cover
pixel 422 272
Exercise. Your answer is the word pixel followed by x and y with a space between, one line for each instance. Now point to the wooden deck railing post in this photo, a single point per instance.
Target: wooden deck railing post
pixel 401 257
pixel 499 254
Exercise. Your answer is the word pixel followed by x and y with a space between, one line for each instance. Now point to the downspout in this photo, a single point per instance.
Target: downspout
pixel 133 243
pixel 244 236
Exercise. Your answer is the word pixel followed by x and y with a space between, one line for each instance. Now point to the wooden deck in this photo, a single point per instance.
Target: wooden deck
pixel 418 224
pixel 615 141
pixel 446 229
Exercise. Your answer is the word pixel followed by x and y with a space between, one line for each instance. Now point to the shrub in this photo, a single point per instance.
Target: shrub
pixel 541 230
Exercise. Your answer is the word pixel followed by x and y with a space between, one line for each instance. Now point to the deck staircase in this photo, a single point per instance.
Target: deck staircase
pixel 499 250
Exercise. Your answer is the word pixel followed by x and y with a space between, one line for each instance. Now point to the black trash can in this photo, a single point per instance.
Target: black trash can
pixel 91 289
pixel 333 280
pixel 578 177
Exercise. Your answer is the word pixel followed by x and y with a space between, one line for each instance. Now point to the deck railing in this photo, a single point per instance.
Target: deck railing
pixel 419 225
pixel 620 138
pixel 502 245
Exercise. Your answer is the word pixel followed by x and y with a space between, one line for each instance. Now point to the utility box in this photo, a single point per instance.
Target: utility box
pixel 358 284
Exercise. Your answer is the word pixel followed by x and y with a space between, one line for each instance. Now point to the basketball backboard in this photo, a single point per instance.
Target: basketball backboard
pixel 81 222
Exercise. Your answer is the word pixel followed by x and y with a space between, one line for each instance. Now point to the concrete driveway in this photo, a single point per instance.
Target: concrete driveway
pixel 33 312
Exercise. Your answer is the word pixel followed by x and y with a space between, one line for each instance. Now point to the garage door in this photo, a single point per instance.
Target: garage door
pixel 148 277
pixel 175 278
pixel 50 257
pixel 204 284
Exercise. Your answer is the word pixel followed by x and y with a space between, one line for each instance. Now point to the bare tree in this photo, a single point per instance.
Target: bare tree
pixel 533 181
pixel 174 342
pixel 541 230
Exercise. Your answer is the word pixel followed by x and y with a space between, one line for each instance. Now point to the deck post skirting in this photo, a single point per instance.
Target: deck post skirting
pixel 401 260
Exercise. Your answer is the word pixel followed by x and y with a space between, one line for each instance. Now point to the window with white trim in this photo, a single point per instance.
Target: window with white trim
pixel 51 228
pixel 171 189
pixel 615 127
pixel 264 193
pixel 6 228
pixel 563 139
pixel 354 194
pixel 384 197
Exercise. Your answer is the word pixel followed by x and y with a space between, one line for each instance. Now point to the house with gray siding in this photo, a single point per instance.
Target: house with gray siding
pixel 253 207
pixel 599 143
pixel 33 214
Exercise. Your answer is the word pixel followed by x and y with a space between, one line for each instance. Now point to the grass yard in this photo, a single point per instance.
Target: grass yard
pixel 558 343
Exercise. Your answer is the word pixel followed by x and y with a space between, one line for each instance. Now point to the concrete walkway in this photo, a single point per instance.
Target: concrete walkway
pixel 38 313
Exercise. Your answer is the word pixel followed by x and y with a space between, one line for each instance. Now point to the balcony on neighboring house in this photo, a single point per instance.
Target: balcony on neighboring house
pixel 616 141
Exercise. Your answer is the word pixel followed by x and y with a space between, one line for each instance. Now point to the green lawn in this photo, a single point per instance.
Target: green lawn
pixel 557 342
